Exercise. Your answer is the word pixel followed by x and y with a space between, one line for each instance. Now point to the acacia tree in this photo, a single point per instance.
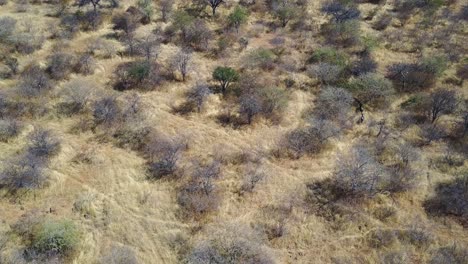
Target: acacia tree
pixel 225 76
pixel 237 17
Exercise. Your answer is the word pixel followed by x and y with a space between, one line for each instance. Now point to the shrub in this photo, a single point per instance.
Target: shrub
pixel 56 238
pixel 9 129
pixel 252 176
pixel 357 173
pixel 456 254
pixel 43 144
pixel 106 111
pixel 333 104
pixel 249 106
pixel 450 199
pixel 197 35
pixel 85 64
pixel 326 73
pixel 415 76
pixel 24 172
pixel 198 94
pixel 237 17
pixel 261 58
pixel 70 24
pixel 310 140
pixel 329 55
pixel 231 244
pixel 381 22
pixel 137 75
pixel 120 255
pixel 76 95
pixel 463 13
pixel 344 34
pixel 364 65
pixel 371 89
pixel 340 12
pixel 34 81
pixel 7 27
pixel 163 155
pixel 60 65
pixel 274 101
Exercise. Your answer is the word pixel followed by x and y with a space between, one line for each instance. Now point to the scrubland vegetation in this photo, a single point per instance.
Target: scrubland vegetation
pixel 222 131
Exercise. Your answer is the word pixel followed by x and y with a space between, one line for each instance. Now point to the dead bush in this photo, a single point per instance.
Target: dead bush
pixel 76 95
pixel 85 64
pixel 106 111
pixel 455 253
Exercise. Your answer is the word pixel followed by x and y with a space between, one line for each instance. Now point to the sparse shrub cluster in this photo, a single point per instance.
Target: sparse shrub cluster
pixel 163 155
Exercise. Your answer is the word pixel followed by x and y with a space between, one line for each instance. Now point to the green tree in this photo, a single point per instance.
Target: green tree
pixel 238 17
pixel 225 76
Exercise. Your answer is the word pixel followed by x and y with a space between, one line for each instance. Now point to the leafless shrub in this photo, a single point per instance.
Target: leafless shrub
pixel 34 81
pixel 43 144
pixel 333 104
pixel 450 199
pixel 309 140
pixel 357 173
pixel 148 47
pixel 441 102
pixel 411 77
pixel 197 96
pixel 7 27
pixel 231 244
pixel 119 255
pixel 200 195
pixel 24 172
pixel 106 111
pixel 454 253
pixel 102 48
pixel 326 73
pixel 381 22
pixel 9 128
pixel 85 64
pixel 60 65
pixel 163 155
pixel 76 95
pixel 253 174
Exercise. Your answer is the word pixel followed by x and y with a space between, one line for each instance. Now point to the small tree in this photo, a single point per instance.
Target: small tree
pixel 238 17
pixel 441 102
pixel 340 12
pixel 181 62
pixel 225 76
